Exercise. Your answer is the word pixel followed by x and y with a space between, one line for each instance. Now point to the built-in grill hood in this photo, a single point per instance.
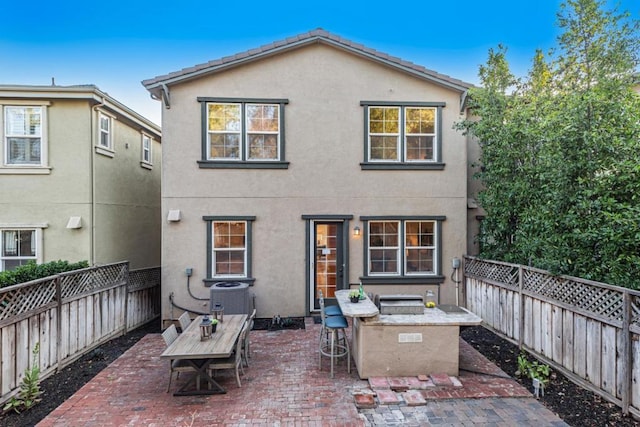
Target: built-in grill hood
pixel 401 304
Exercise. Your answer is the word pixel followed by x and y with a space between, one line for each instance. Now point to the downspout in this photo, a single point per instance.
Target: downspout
pixel 92 152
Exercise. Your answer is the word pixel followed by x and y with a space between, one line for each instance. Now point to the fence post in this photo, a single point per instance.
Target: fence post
pixel 126 301
pixel 626 352
pixel 58 321
pixel 521 314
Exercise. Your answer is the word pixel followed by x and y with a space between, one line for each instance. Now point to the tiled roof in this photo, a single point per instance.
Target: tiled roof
pixel 316 36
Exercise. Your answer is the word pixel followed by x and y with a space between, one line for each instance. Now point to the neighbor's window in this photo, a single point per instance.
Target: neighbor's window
pixel 243 133
pixel 18 248
pixel 105 140
pixel 146 149
pixel 403 135
pixel 23 135
pixel 229 247
pixel 402 247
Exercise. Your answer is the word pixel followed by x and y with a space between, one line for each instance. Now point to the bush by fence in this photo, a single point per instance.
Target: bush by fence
pixel 32 271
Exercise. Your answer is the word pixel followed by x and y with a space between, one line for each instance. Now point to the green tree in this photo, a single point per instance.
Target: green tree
pixel 561 149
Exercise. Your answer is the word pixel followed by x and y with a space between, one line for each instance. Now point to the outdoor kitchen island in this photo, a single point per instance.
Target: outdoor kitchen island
pixel 404 344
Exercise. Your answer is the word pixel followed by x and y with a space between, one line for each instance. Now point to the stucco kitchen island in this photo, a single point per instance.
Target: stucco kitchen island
pixel 404 344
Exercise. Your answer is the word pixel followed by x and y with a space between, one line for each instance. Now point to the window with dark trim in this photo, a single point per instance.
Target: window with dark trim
pixel 402 135
pixel 228 248
pixel 243 133
pixel 407 247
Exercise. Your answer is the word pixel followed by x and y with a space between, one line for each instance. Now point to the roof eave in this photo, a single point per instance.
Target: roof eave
pixel 155 85
pixel 90 93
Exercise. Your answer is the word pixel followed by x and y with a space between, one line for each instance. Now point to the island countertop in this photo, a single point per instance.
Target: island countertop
pixel 362 308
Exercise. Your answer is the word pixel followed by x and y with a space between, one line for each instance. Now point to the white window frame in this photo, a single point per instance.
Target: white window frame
pixel 104 118
pixel 433 247
pixel 226 132
pixel 218 249
pixel 24 168
pixel 248 132
pixel 434 135
pixel 396 135
pixel 38 242
pixel 146 150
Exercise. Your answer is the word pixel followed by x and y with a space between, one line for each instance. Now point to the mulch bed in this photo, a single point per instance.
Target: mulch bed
pixel 575 405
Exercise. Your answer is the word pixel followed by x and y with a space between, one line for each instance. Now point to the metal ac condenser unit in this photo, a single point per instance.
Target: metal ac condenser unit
pixel 234 297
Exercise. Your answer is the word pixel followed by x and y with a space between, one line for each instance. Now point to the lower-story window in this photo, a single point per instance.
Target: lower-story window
pixel 403 247
pixel 228 248
pixel 18 248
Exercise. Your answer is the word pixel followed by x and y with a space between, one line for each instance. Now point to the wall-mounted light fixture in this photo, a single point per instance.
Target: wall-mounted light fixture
pixel 356 231
pixel 174 216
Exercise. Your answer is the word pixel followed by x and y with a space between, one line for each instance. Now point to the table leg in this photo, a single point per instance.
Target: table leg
pixel 210 385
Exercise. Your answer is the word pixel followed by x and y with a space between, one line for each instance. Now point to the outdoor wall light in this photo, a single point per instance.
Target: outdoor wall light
pixel 356 231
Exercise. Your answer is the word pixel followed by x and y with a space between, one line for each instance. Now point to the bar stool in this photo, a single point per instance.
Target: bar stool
pixel 333 338
pixel 332 310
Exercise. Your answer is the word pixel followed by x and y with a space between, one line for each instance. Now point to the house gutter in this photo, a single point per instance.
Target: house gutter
pixel 93 139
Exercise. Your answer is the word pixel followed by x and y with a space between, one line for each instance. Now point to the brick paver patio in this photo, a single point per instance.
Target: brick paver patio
pixel 284 387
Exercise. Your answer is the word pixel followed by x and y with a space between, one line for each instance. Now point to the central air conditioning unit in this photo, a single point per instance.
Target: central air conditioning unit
pixel 233 296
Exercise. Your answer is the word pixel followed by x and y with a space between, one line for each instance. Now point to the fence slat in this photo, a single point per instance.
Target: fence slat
pixel 557 343
pixel 70 314
pixel 587 330
pixel 567 341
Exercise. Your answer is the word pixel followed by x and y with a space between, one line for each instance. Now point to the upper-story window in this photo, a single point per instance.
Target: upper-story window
pixel 24 137
pixel 106 134
pixel 146 150
pixel 403 135
pixel 247 133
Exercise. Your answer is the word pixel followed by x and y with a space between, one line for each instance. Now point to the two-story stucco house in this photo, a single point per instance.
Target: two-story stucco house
pixel 79 178
pixel 311 164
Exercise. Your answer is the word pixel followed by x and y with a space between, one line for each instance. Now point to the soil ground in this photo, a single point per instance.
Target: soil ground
pixel 575 405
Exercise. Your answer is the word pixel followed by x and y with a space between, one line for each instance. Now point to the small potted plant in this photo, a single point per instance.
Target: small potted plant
pixel 214 325
pixel 354 296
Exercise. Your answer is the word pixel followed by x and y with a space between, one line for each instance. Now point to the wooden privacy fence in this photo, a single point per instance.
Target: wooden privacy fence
pixel 587 330
pixel 69 315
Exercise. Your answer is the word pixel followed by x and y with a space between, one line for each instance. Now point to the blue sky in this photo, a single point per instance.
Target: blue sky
pixel 117 44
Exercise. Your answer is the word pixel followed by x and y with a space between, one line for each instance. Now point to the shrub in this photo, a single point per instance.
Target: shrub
pixel 33 271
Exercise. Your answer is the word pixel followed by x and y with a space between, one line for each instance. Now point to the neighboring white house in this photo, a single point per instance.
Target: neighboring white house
pixel 311 164
pixel 79 178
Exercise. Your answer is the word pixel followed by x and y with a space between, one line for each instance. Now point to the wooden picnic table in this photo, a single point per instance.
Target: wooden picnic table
pixel 199 354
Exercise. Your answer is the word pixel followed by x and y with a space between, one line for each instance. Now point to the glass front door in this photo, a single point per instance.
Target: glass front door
pixel 328 271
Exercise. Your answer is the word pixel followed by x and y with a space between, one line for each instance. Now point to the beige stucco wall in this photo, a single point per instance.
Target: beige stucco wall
pixel 324 145
pixel 51 199
pixel 128 201
pixel 127 195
